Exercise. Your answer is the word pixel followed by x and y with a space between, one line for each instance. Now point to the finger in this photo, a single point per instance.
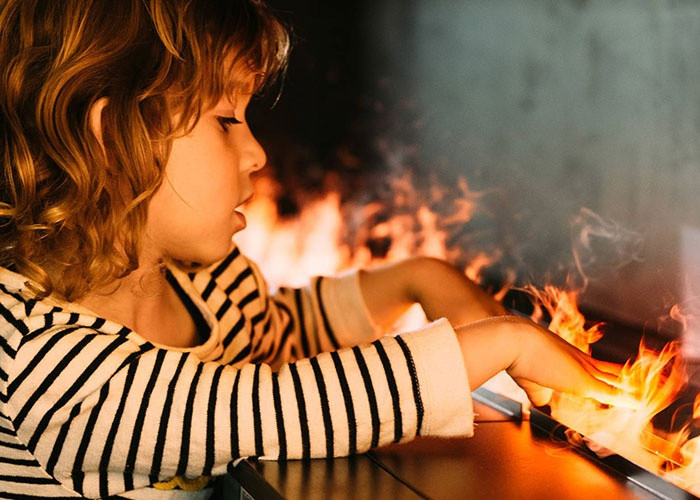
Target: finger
pixel 613 396
pixel 537 394
pixel 606 371
pixel 603 370
pixel 610 379
pixel 602 366
pixel 608 367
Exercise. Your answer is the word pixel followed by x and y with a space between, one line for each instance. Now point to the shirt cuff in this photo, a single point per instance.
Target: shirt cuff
pixel 347 312
pixel 443 381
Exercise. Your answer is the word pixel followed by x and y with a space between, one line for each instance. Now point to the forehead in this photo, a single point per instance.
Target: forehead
pixel 233 91
pixel 241 81
pixel 231 104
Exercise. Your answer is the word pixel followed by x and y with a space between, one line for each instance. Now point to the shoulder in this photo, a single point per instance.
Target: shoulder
pixel 26 319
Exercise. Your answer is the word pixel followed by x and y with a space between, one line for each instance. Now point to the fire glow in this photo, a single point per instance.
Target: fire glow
pixel 654 378
pixel 290 250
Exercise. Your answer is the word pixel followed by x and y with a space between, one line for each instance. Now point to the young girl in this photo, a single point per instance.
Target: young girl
pixel 139 350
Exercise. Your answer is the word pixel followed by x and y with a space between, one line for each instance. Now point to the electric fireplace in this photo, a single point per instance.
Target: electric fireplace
pixel 548 149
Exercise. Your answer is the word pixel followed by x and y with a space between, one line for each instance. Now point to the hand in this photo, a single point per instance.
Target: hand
pixel 537 359
pixel 548 360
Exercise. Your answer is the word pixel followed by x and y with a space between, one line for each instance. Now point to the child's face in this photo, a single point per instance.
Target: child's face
pixel 192 216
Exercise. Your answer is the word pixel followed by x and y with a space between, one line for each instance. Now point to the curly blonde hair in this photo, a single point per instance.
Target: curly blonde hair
pixel 73 207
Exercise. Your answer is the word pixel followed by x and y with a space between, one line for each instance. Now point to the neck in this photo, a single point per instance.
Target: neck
pixel 130 299
pixel 145 302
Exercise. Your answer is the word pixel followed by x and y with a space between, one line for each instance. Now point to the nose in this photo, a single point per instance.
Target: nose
pixel 256 156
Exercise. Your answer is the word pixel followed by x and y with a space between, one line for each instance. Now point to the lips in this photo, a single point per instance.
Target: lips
pixel 240 219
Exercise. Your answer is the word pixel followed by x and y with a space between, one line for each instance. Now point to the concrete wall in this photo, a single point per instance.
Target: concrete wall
pixel 560 105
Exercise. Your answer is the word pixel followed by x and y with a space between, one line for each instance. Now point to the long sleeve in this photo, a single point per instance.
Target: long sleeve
pixel 105 413
pixel 328 314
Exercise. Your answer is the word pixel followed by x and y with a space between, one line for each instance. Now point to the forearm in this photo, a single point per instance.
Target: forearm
pixel 445 292
pixel 441 290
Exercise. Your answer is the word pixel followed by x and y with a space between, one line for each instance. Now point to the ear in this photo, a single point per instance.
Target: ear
pixel 95 117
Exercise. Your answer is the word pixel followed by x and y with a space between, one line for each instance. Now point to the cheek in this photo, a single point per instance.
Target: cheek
pixel 204 182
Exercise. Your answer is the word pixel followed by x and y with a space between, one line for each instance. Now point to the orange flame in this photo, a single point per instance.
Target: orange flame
pixel 477 265
pixel 567 321
pixel 654 378
pixel 690 452
pixel 290 250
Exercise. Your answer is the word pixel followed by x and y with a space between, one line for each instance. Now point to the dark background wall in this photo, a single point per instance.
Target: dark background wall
pixel 547 107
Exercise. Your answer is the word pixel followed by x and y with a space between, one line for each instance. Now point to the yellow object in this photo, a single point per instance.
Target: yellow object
pixel 184 483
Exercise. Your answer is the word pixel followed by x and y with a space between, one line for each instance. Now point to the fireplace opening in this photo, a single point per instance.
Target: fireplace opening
pixel 531 144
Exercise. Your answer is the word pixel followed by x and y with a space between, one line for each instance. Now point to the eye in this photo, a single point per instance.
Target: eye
pixel 226 121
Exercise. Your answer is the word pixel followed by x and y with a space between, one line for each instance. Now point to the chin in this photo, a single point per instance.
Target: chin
pixel 206 256
pixel 220 254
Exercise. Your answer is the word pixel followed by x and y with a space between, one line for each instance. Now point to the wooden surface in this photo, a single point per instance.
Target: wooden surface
pixel 505 459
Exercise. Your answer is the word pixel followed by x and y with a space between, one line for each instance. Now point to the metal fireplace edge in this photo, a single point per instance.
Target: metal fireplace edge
pixel 542 421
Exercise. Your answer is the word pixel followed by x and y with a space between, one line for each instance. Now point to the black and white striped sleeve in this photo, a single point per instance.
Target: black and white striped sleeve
pixel 105 413
pixel 328 314
pixel 294 323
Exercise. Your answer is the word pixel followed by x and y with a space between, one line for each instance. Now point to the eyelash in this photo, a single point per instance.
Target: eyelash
pixel 225 121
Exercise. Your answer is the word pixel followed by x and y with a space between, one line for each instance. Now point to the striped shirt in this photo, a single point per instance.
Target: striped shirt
pixel 91 408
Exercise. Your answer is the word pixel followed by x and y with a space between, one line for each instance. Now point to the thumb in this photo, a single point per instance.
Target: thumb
pixel 537 394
